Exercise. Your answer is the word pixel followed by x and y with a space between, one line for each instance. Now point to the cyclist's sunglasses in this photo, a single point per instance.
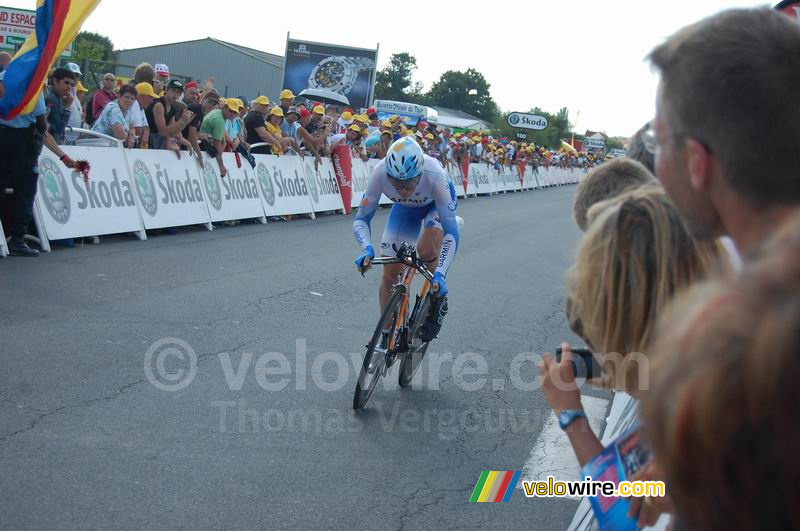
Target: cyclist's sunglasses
pixel 405 186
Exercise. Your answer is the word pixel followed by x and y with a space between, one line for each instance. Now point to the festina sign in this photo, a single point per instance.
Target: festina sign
pixel 527 121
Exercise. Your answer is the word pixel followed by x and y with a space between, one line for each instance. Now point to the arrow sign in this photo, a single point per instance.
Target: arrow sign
pixel 527 121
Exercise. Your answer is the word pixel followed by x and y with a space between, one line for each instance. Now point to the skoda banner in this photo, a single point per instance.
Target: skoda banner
pixel 349 72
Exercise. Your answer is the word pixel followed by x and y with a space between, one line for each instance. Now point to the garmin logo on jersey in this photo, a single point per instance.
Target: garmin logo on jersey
pixel 447 244
pixel 411 200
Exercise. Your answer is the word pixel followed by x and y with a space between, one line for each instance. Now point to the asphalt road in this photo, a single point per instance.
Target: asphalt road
pixel 262 435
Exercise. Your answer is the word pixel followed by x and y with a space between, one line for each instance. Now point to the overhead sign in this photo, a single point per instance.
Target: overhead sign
pixel 591 143
pixel 16 25
pixel 346 71
pixel 527 121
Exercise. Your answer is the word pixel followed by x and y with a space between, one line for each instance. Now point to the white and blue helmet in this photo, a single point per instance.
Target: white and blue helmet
pixel 404 160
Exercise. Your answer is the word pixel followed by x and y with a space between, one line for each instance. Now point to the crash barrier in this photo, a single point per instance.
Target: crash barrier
pixel 132 190
pixel 623 414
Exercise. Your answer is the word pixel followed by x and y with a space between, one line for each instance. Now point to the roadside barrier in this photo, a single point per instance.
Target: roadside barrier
pixel 132 190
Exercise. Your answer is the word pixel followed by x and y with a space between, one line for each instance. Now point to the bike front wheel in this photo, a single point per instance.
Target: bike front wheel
pixel 376 357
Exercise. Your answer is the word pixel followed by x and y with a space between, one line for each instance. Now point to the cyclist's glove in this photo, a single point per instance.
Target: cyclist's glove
pixel 369 252
pixel 438 278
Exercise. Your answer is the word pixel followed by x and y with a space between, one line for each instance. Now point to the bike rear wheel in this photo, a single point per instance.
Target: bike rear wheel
pixel 416 347
pixel 376 358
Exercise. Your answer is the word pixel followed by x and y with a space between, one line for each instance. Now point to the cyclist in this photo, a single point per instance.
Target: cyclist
pixel 424 211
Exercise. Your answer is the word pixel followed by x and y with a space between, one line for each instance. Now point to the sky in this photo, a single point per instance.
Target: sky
pixel 587 56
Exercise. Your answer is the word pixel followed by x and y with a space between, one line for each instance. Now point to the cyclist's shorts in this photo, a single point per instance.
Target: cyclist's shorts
pixel 405 224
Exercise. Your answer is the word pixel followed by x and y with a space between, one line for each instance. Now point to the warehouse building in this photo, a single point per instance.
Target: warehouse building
pixel 237 70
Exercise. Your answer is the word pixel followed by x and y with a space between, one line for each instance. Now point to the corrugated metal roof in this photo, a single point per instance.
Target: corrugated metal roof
pixel 237 70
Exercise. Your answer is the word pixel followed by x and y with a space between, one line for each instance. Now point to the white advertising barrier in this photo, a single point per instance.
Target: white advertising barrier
pixel 361 174
pixel 169 192
pixel 472 182
pixel 3 244
pixel 69 207
pixel 455 177
pixel 497 180
pixel 283 187
pixel 235 196
pixel 322 185
pixel 479 174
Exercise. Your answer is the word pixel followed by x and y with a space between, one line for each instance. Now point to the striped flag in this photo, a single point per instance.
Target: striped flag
pixel 495 486
pixel 57 24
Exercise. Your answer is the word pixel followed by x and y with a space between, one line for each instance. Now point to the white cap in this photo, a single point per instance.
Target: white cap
pixel 74 68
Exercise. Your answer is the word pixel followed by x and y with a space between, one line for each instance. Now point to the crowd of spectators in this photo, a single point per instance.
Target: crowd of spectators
pixel 702 334
pixel 155 111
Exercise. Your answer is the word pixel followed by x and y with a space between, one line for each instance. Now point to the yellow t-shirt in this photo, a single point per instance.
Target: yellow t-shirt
pixel 275 131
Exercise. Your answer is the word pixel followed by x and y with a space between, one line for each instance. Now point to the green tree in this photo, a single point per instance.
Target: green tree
pixel 395 81
pixel 464 91
pixel 93 46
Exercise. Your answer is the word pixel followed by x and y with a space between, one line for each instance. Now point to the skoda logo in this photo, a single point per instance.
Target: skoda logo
pixel 53 187
pixel 265 179
pixel 145 188
pixel 513 119
pixel 312 183
pixel 212 188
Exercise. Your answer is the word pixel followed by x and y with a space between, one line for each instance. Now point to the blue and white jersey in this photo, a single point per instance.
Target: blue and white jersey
pixel 435 190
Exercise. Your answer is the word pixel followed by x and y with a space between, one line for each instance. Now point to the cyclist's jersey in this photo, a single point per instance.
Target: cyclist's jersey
pixel 434 188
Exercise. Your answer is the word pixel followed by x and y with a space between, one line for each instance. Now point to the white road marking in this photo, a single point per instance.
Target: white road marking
pixel 552 455
pixel 314 293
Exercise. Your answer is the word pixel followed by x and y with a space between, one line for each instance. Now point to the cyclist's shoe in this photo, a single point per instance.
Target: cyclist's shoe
pixel 433 321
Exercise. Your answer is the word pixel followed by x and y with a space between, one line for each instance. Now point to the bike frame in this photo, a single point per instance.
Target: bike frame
pixel 412 266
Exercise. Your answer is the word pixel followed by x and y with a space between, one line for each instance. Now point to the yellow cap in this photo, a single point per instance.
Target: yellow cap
pixel 429 136
pixel 362 118
pixel 286 94
pixel 276 111
pixel 347 116
pixel 319 109
pixel 261 100
pixel 233 104
pixel 354 127
pixel 386 123
pixel 145 89
pixel 80 88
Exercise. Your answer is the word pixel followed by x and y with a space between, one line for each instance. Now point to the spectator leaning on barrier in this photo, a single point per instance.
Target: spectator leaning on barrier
pixel 190 132
pixel 144 73
pixel 303 137
pixel 212 132
pixel 105 95
pixel 115 120
pixel 191 93
pixel 256 127
pixel 59 101
pixel 738 178
pixel 287 99
pixel 161 116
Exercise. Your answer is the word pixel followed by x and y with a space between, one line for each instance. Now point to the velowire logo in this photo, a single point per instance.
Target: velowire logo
pixel 54 190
